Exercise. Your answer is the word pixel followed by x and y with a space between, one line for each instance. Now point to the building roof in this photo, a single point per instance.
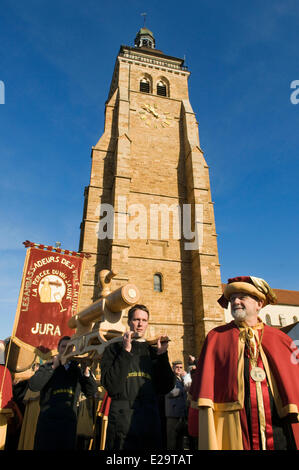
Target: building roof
pixel 151 51
pixel 287 297
pixel 145 31
pixel 288 329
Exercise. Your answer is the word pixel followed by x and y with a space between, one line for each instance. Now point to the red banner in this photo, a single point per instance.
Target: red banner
pixel 49 297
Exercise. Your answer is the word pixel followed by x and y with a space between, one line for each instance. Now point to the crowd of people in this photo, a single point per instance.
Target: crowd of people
pixel 241 393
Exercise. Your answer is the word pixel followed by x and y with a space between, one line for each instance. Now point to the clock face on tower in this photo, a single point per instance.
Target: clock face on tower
pixel 152 117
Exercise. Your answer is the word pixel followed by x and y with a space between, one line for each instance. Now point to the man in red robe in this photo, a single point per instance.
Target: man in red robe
pixel 245 393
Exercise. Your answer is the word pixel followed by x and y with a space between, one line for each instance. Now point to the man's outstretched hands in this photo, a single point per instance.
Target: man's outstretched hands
pixel 162 342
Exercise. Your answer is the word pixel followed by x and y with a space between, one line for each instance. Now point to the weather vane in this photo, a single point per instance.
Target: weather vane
pixel 144 18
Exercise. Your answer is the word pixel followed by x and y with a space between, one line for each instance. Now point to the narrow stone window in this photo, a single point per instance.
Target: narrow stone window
pixel 161 89
pixel 158 282
pixel 268 320
pixel 282 320
pixel 144 85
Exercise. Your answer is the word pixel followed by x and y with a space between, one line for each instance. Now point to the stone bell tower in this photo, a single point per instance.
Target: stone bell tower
pixel 149 178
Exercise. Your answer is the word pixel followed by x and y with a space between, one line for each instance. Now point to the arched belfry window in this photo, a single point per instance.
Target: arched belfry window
pixel 147 43
pixel 144 85
pixel 158 282
pixel 161 88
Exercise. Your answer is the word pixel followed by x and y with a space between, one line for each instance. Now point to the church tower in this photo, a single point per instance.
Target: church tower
pixel 149 177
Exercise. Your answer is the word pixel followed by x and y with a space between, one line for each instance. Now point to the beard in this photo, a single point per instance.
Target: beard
pixel 239 314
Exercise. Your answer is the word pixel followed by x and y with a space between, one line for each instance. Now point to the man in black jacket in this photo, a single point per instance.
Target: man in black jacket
pixel 176 409
pixel 59 386
pixel 134 374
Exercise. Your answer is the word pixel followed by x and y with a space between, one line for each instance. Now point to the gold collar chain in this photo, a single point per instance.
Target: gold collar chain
pixel 252 341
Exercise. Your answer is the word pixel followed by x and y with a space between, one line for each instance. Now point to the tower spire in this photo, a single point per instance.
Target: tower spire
pixel 145 37
pixel 144 18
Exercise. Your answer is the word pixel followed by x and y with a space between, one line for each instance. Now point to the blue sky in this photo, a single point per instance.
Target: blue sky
pixel 56 62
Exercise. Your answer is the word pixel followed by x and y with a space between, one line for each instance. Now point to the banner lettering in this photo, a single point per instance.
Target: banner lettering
pixel 49 297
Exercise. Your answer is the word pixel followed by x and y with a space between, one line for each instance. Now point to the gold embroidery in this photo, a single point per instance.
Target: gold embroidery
pixel 63 390
pixel 139 374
